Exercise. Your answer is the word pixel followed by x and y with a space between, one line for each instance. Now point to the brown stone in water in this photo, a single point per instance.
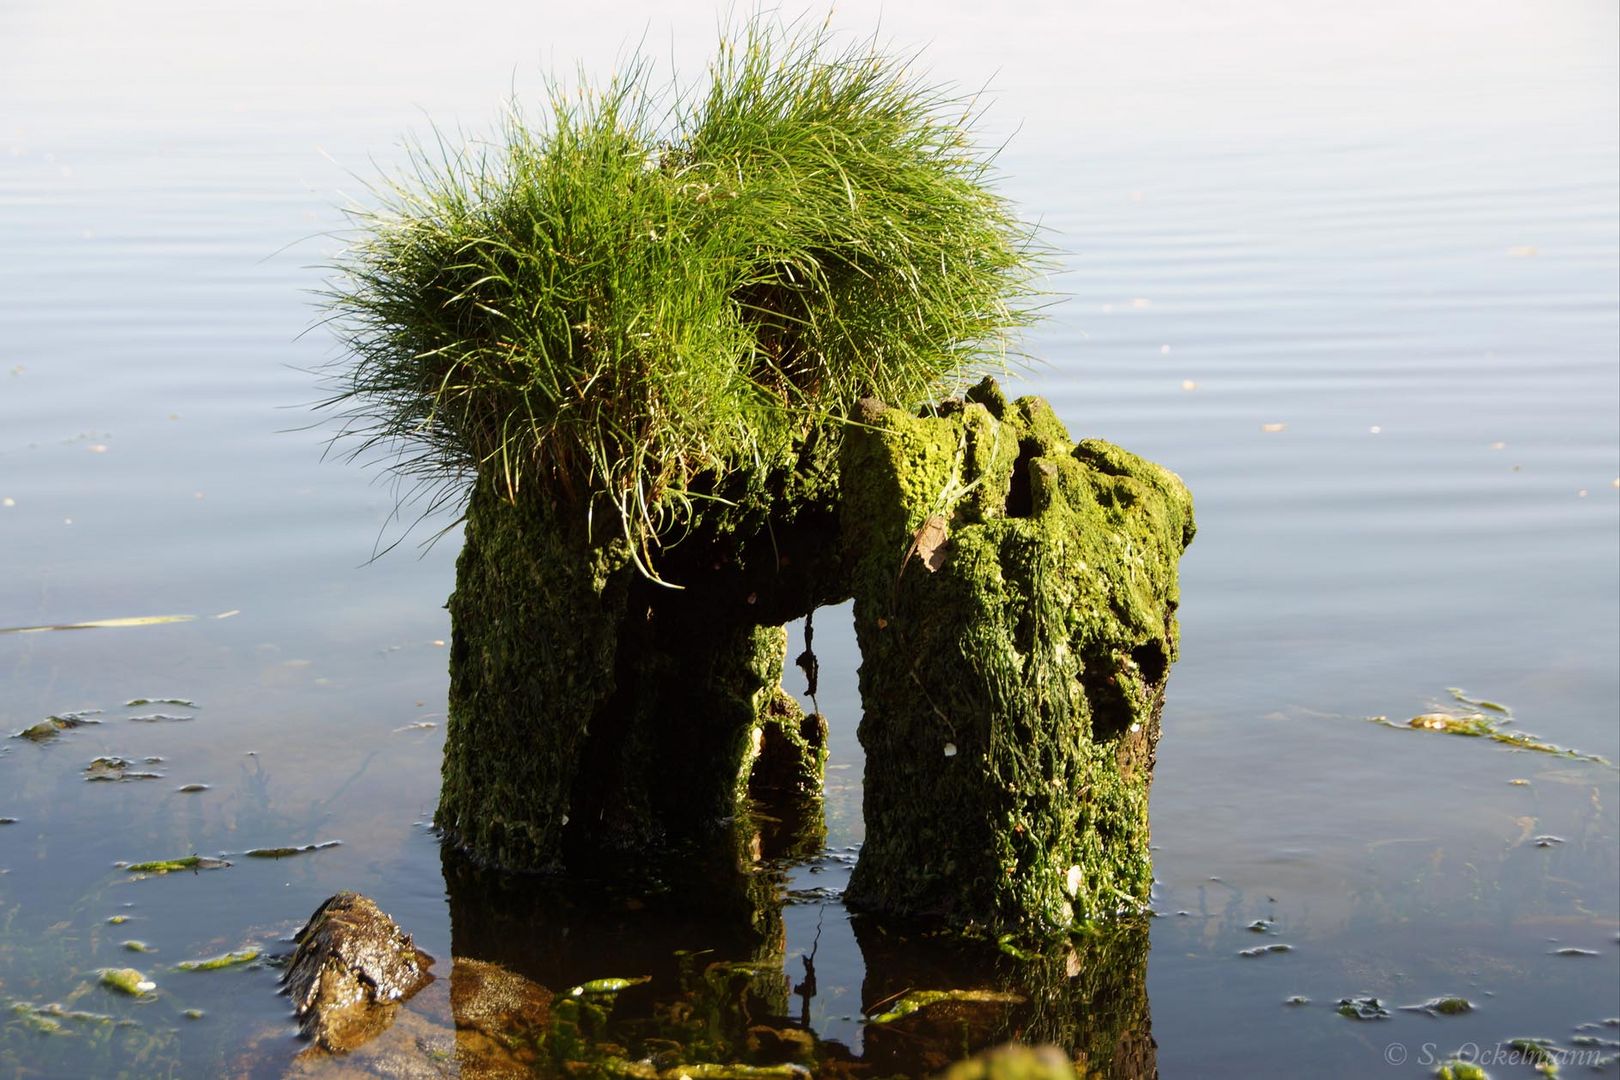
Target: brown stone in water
pixel 352 967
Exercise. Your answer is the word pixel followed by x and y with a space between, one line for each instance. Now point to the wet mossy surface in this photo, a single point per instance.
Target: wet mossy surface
pixel 535 613
pixel 1015 598
pixel 595 711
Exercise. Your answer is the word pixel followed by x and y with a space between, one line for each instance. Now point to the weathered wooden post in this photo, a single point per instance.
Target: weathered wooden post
pixel 595 712
pixel 1015 598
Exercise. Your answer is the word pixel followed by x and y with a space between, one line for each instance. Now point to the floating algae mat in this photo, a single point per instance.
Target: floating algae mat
pixel 215 963
pixel 170 866
pixel 284 852
pixel 115 769
pixel 100 624
pixel 127 981
pixel 52 726
pixel 1487 723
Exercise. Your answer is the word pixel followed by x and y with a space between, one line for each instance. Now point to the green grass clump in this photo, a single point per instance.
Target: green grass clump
pixel 652 292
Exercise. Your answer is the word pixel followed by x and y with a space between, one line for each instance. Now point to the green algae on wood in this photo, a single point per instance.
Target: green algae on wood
pixel 594 712
pixel 1012 682
pixel 535 617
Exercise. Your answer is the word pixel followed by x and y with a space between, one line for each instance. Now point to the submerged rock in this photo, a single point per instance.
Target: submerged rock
pixel 484 1022
pixel 502 1020
pixel 352 967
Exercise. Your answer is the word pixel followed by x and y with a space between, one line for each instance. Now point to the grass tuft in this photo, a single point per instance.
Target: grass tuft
pixel 647 291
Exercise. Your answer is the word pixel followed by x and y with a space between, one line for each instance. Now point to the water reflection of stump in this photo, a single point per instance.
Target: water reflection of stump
pixel 702 947
pixel 562 932
pixel 1089 999
pixel 702 955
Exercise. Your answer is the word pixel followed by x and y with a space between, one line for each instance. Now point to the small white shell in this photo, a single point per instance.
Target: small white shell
pixel 950 749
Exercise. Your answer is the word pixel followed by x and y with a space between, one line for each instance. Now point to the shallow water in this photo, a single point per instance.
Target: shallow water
pixel 1353 274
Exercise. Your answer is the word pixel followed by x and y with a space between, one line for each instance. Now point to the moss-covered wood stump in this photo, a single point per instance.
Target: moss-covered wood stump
pixel 596 712
pixel 1015 598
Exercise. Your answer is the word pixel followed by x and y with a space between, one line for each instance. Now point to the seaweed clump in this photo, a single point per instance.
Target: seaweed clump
pixel 1488 722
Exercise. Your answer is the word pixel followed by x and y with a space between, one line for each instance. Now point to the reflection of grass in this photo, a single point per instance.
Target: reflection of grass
pixel 1483 725
pixel 645 292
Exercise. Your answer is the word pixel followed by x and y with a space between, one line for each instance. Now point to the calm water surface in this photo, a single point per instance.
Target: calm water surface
pixel 1353 274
